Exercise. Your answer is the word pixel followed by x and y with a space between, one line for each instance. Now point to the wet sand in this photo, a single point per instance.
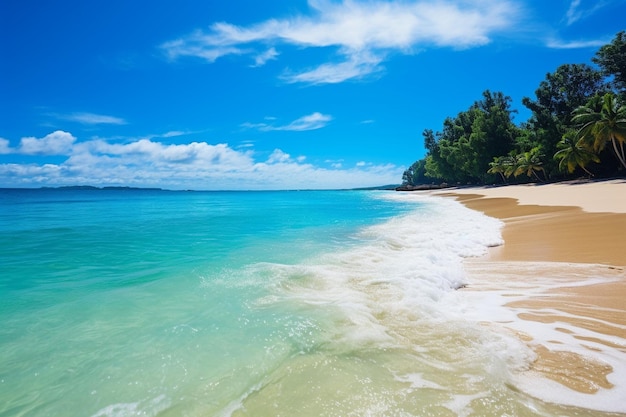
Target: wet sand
pixel 563 263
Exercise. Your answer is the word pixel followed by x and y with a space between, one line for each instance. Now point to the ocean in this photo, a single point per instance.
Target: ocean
pixel 125 302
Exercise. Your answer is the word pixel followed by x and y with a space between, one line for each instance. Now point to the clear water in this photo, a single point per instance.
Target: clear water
pixel 156 303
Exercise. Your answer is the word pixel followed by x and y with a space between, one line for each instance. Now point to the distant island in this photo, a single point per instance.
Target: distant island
pixel 107 188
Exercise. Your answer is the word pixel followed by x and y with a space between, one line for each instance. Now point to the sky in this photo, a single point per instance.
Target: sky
pixel 279 94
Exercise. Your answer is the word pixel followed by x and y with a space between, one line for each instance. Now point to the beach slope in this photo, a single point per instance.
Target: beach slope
pixel 559 283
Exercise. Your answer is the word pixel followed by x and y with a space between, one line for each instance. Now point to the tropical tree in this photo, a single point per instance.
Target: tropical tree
pixel 562 91
pixel 529 163
pixel 497 166
pixel 601 121
pixel 611 59
pixel 463 150
pixel 572 155
pixel 493 131
pixel 415 174
pixel 505 166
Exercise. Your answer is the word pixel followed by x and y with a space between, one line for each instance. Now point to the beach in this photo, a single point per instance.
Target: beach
pixel 559 279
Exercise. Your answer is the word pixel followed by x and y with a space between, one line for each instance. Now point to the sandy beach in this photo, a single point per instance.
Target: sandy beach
pixel 561 275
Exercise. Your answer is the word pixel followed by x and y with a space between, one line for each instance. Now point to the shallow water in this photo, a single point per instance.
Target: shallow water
pixel 128 302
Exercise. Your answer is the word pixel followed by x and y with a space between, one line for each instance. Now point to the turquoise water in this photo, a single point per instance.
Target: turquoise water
pixel 157 303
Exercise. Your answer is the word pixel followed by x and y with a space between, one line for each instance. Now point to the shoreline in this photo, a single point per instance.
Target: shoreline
pixel 560 272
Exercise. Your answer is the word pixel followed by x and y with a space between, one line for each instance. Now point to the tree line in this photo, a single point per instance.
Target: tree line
pixel 577 127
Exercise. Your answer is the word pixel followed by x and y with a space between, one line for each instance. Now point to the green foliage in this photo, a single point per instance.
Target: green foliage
pixel 575 115
pixel 416 174
pixel 572 155
pixel 470 141
pixel 612 60
pixel 569 87
pixel 602 121
pixel 529 163
pixel 504 166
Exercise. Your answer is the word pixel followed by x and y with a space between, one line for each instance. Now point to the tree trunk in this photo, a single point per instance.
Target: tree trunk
pixel 620 155
pixel 587 171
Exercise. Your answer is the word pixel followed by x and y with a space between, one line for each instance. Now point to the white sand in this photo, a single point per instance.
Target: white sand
pixel 592 196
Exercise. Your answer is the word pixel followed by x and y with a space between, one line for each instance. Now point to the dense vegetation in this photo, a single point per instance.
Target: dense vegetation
pixel 577 128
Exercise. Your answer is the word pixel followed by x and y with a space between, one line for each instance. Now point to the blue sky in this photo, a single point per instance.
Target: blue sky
pixel 282 94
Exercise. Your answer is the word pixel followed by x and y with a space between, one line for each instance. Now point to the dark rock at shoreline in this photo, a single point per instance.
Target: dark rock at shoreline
pixel 421 187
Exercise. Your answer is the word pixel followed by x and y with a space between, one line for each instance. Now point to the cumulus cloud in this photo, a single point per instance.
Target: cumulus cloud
pixel 195 165
pixel 363 33
pixel 312 121
pixel 159 155
pixel 4 146
pixel 56 143
pixel 278 156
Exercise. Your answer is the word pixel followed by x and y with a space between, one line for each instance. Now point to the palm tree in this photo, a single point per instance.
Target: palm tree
pixel 572 155
pixel 601 121
pixel 529 163
pixel 510 165
pixel 498 166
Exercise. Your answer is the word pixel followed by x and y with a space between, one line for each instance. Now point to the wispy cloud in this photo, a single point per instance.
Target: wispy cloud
pixel 264 57
pixel 573 13
pixel 336 163
pixel 91 119
pixel 577 11
pixel 558 44
pixel 195 165
pixel 312 121
pixel 363 33
pixel 357 66
pixel 174 133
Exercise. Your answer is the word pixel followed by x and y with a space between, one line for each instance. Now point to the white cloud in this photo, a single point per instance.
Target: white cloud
pixel 262 58
pixel 558 44
pixel 194 45
pixel 336 164
pixel 56 143
pixel 4 146
pixel 93 119
pixel 357 66
pixel 173 134
pixel 573 14
pixel 278 156
pixel 195 165
pixel 312 121
pixel 577 12
pixel 363 33
pixel 161 155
